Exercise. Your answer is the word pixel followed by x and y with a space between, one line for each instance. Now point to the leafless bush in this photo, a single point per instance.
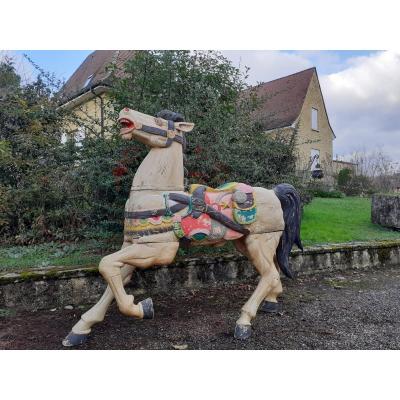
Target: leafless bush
pixel 383 172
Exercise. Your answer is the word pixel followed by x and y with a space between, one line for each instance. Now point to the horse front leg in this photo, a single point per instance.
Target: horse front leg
pixel 261 249
pixel 127 259
pixel 139 255
pixel 81 330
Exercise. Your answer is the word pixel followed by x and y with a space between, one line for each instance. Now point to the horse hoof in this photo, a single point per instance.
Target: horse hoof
pixel 148 309
pixel 271 307
pixel 242 332
pixel 74 339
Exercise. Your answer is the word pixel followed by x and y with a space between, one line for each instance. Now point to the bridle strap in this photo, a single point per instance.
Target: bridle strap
pixel 164 133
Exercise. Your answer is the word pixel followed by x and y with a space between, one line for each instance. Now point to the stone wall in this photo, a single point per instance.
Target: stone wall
pixel 57 287
pixel 385 210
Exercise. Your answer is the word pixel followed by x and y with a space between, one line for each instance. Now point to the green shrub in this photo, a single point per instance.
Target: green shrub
pixel 333 194
pixel 53 191
pixel 355 185
pixel 344 178
pixel 321 189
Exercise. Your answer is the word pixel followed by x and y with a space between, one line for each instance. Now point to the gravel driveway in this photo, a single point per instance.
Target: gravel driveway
pixel 349 310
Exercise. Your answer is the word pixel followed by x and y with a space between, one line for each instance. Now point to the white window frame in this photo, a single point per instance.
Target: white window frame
pixel 314 119
pixel 79 136
pixel 64 137
pixel 316 161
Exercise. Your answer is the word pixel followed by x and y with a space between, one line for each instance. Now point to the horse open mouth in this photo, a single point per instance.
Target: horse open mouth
pixel 126 126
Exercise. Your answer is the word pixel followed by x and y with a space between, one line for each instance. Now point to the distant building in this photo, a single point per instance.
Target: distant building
pixel 295 102
pixel 338 165
pixel 290 102
pixel 86 90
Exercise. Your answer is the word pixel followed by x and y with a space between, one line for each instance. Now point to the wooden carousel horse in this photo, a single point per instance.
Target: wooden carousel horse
pixel 160 216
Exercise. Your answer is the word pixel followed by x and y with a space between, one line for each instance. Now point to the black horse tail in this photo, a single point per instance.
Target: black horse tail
pixel 290 202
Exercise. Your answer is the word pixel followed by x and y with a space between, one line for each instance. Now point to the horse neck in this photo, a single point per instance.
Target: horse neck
pixel 161 170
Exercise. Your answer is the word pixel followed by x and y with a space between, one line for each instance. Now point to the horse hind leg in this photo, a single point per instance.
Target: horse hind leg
pixel 261 250
pixel 271 304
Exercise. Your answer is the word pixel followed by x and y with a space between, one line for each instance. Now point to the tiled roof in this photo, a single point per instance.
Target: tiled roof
pixel 282 99
pixel 93 71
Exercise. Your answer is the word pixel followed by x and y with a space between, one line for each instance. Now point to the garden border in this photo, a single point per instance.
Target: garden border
pixel 59 286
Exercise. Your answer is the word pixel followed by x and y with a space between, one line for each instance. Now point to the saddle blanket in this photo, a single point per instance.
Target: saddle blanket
pixel 234 200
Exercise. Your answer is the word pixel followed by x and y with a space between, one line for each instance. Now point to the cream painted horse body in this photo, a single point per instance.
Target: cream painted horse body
pixel 267 243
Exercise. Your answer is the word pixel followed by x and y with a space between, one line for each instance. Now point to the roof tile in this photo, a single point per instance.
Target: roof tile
pixel 282 99
pixel 95 68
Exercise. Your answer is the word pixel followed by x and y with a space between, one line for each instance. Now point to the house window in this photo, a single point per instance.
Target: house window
pixel 80 135
pixel 64 137
pixel 314 119
pixel 314 159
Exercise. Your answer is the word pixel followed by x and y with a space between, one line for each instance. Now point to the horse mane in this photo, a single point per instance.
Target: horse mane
pixel 170 116
pixel 177 117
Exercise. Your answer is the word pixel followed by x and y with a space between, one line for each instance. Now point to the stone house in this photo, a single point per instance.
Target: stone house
pixel 86 90
pixel 289 104
pixel 294 105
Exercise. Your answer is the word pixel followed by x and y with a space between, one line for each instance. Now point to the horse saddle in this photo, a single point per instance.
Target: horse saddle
pixel 212 213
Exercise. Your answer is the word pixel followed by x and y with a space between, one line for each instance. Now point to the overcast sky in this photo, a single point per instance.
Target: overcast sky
pixel 361 92
pixel 361 88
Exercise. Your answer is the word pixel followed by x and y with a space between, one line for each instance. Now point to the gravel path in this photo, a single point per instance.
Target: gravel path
pixel 349 310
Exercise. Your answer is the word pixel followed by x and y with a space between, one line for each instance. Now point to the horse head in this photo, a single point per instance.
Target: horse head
pixel 158 131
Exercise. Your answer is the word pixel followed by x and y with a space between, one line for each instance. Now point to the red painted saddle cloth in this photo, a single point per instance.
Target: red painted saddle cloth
pixel 234 200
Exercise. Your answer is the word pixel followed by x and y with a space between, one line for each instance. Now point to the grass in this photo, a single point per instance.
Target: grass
pixel 88 252
pixel 325 220
pixel 341 220
pixel 46 254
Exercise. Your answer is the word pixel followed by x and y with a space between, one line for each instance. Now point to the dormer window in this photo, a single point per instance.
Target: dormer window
pixel 314 119
pixel 87 81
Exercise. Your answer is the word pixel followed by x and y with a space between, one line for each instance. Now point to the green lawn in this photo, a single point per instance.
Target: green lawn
pixel 43 255
pixel 341 220
pixel 324 221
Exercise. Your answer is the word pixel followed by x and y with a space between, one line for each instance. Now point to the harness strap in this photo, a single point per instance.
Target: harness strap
pixel 164 133
pixel 198 201
pixel 199 205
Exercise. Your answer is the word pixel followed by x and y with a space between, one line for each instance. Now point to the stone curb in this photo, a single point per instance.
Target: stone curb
pixel 57 286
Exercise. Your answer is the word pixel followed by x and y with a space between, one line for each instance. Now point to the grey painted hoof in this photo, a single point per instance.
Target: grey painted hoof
pixel 270 307
pixel 148 309
pixel 74 339
pixel 242 332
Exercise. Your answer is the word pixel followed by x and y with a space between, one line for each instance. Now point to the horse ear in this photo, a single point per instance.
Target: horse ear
pixel 184 126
